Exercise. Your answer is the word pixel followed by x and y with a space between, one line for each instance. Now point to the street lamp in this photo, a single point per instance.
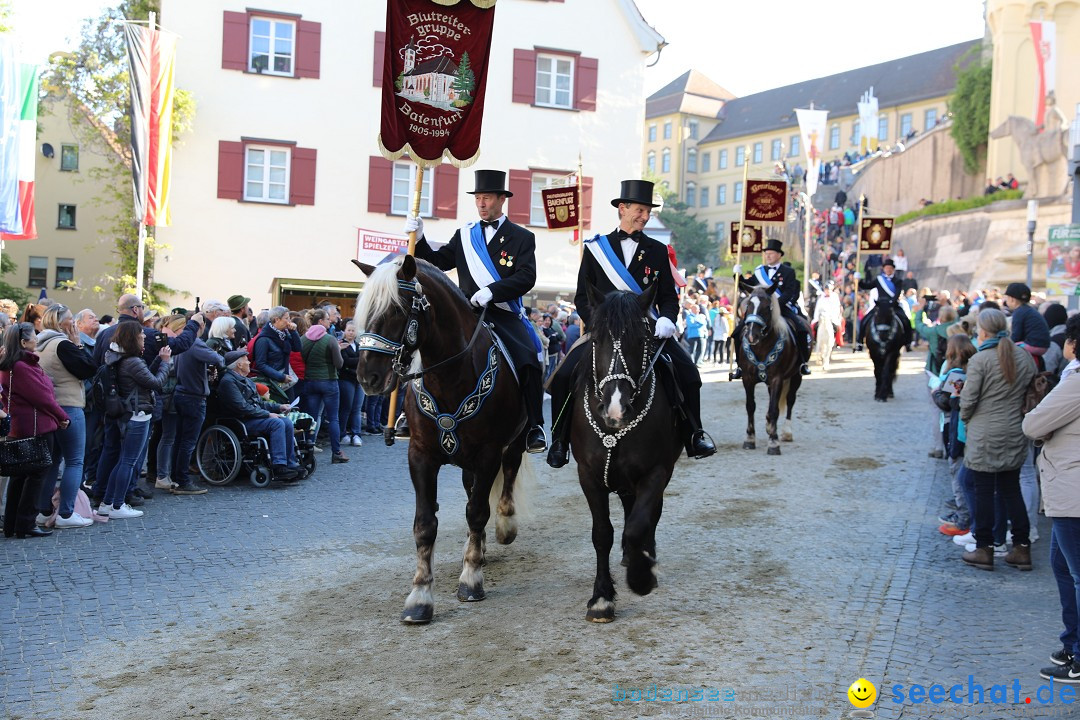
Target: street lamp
pixel 1032 216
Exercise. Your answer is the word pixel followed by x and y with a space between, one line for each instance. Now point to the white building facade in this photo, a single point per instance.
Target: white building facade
pixel 281 173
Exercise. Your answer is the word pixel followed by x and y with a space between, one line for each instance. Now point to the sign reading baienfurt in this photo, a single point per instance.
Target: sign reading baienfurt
pixel 434 78
pixel 561 207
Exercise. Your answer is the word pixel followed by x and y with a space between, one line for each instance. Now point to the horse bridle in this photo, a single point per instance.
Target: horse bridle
pixel 617 356
pixel 410 336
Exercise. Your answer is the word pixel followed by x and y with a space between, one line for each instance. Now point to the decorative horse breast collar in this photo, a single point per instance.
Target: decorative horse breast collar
pixel 470 406
pixel 762 366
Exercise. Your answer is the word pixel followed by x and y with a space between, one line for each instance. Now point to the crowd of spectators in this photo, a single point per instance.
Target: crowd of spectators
pixel 270 369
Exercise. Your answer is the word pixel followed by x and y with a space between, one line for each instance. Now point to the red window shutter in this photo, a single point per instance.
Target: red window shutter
pixel 380 58
pixel 525 76
pixel 446 191
pixel 586 202
pixel 518 207
pixel 585 84
pixel 234 41
pixel 380 184
pixel 308 48
pixel 230 172
pixel 302 177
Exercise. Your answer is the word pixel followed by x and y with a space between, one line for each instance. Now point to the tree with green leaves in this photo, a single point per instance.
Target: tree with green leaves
pixel 464 80
pixel 95 77
pixel 11 292
pixel 970 107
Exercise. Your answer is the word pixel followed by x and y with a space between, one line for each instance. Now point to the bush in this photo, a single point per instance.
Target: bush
pixel 951 206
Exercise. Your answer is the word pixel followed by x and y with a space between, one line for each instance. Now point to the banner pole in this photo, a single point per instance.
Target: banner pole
pixel 738 261
pixel 391 416
pixel 858 262
pixel 140 262
pixel 580 210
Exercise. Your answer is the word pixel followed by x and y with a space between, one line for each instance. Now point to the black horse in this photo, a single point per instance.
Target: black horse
pixel 625 440
pixel 768 355
pixel 884 338
pixel 463 407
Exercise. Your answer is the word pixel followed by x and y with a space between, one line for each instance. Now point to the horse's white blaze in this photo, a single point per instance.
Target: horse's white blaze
pixel 420 595
pixel 754 302
pixel 602 605
pixel 614 410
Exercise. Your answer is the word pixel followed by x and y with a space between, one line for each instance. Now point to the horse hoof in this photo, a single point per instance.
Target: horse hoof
pixel 774 451
pixel 467 594
pixel 417 615
pixel 786 437
pixel 749 445
pixel 603 612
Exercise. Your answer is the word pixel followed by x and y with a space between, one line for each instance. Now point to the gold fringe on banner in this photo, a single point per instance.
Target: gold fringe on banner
pixel 423 162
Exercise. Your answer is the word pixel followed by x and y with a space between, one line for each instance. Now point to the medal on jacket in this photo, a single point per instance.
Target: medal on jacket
pixel 640 255
pixel 507 260
pixel 648 272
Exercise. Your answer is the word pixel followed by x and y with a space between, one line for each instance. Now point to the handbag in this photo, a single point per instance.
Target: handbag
pixel 24 456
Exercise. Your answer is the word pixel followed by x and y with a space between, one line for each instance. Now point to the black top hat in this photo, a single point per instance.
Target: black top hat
pixel 774 244
pixel 888 263
pixel 491 181
pixel 635 191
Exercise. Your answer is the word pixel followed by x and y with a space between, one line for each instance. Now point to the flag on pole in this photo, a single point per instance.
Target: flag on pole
pixel 151 61
pixel 18 115
pixel 1044 35
pixel 434 79
pixel 812 131
pixel 868 121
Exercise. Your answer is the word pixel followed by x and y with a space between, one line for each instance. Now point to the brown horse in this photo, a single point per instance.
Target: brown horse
pixel 463 406
pixel 768 355
pixel 625 440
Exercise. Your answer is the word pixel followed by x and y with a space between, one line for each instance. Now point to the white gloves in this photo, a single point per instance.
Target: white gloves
pixel 481 298
pixel 412 223
pixel 664 328
pixel 858 276
pixel 737 270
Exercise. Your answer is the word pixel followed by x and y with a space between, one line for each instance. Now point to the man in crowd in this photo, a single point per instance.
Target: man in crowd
pixel 130 309
pixel 238 306
pixel 496 264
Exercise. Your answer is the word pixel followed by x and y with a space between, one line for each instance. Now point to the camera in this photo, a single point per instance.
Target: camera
pixel 162 340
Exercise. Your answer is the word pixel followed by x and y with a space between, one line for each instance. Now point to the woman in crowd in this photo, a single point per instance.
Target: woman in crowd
pixel 172 325
pixel 28 398
pixel 68 364
pixel 959 350
pixel 322 360
pixel 1055 425
pixel 936 336
pixel 696 330
pixel 222 334
pixel 720 331
pixel 136 384
pixel 997 378
pixel 352 395
pixel 275 342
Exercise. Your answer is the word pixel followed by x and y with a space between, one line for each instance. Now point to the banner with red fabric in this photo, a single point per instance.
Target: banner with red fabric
pixel 561 207
pixel 752 238
pixel 434 79
pixel 875 236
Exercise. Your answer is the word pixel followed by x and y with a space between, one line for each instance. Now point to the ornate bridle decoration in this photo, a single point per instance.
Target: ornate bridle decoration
pixel 468 408
pixel 762 366
pixel 610 440
pixel 410 337
pixel 893 326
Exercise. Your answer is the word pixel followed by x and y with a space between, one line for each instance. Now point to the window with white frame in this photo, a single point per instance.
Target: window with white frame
pixel 405 185
pixel 775 150
pixel 721 230
pixel 706 162
pixel 39 271
pixel 691 160
pixel 69 157
pixel 855 133
pixel 883 129
pixel 692 126
pixel 704 197
pixel 266 173
pixel 834 137
pixel 905 125
pixel 650 161
pixel 691 194
pixel 721 194
pixel 930 118
pixel 273 46
pixel 758 148
pixel 738 191
pixel 65 271
pixel 537 216
pixel 652 133
pixel 665 161
pixel 740 156
pixel 555 81
pixel 667 130
pixel 721 160
pixel 794 150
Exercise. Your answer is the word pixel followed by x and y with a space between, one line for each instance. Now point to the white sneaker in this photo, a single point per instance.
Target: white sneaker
pixel 125 511
pixel 43 519
pixel 104 509
pixel 999 550
pixel 965 539
pixel 75 521
pixel 1033 535
pixel 164 483
pixel 357 441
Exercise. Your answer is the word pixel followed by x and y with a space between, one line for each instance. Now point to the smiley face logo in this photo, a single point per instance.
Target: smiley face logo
pixel 862 693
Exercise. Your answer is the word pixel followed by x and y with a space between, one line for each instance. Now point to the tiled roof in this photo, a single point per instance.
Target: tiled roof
pixel 691 92
pixel 896 82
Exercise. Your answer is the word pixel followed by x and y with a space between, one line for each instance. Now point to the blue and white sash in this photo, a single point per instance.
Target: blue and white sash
pixel 483 273
pixel 615 271
pixel 887 284
pixel 762 275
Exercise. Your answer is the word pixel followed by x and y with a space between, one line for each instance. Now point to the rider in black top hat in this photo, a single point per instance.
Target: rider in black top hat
pixel 511 250
pixel 770 272
pixel 645 260
pixel 890 291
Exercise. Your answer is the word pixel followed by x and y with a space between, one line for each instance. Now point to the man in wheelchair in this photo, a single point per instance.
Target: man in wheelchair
pixel 238 398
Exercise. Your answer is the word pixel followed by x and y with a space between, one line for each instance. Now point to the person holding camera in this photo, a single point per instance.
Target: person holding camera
pixel 189 400
pixel 130 309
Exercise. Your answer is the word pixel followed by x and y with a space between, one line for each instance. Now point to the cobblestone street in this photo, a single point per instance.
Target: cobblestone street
pixel 782 581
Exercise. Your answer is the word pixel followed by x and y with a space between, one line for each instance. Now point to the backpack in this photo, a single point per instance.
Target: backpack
pixel 1039 387
pixel 105 392
pixel 251 349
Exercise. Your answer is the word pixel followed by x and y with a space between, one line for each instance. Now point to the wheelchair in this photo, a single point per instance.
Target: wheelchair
pixel 226 450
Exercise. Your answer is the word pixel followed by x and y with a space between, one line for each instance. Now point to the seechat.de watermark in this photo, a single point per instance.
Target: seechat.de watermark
pixel 973 693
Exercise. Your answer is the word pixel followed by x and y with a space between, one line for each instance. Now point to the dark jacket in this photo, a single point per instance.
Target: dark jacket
pixel 272 353
pixel 191 369
pixel 650 261
pixel 350 358
pixel 1029 327
pixel 516 277
pixel 135 378
pixel 237 397
pixel 788 285
pixel 884 296
pixel 179 344
pixel 28 391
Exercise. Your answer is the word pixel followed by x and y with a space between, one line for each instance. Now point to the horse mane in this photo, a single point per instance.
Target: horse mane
pixel 619 317
pixel 381 290
pixel 779 325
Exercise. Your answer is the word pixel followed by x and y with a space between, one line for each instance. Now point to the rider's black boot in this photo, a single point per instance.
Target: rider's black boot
pixel 532 393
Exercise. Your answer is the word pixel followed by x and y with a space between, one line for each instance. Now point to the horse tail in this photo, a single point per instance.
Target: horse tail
pixel 784 397
pixel 517 506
